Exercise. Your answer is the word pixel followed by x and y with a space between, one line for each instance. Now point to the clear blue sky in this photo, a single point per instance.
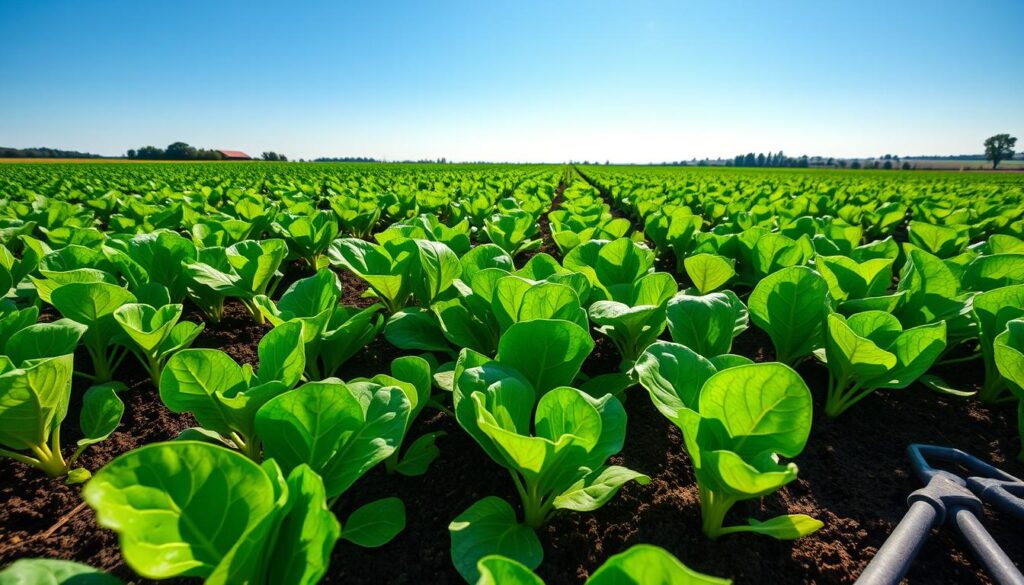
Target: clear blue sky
pixel 528 80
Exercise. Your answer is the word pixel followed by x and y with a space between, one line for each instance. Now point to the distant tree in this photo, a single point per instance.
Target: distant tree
pixel 888 165
pixel 760 159
pixel 842 163
pixel 750 160
pixel 855 164
pixel 131 153
pixel 999 148
pixel 180 151
pixel 150 153
pixel 906 166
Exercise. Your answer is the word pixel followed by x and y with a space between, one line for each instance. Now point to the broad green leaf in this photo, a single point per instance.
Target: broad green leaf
pixel 192 382
pixel 179 507
pixel 791 306
pixel 763 407
pixel 376 523
pixel 43 340
pixel 706 324
pixel 594 490
pixel 709 272
pixel 489 527
pixel 548 352
pixel 101 412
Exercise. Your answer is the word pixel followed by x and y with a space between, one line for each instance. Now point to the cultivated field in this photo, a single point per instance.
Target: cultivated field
pixel 355 373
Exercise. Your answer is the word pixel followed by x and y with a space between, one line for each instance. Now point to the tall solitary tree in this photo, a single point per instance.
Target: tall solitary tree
pixel 999 148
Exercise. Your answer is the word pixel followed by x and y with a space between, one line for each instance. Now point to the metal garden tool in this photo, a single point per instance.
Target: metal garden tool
pixel 954 500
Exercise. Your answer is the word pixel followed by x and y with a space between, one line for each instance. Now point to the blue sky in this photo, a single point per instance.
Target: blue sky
pixel 529 80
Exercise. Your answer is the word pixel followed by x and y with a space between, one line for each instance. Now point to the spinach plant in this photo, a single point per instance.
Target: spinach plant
pixel 248 269
pixel 791 306
pixel 706 323
pixel 736 422
pixel 93 304
pixel 635 324
pixel 308 235
pixel 225 397
pixel 34 396
pixel 870 350
pixel 154 335
pixel 553 439
pixel 331 333
pixel 258 526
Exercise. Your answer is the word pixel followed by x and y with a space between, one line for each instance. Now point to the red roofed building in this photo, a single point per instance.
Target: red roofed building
pixel 234 155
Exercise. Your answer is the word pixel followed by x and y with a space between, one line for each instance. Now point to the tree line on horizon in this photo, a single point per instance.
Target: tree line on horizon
pixel 185 151
pixel 43 152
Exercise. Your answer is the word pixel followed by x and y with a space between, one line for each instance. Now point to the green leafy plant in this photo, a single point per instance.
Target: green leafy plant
pixel 932 293
pixel 634 325
pixel 736 422
pixel 512 231
pixel 251 269
pixel 257 526
pixel 791 306
pixel 154 335
pixel 341 431
pixel 992 311
pixel 399 269
pixel 163 254
pixel 476 316
pixel 858 286
pixel 413 375
pixel 331 333
pixel 308 235
pixel 707 323
pixel 553 439
pixel 429 227
pixel 209 297
pixel 870 350
pixel 34 400
pixel 612 267
pixel 225 397
pixel 93 304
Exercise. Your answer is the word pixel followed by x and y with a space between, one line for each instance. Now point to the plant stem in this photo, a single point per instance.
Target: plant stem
pixel 19 457
pixel 51 462
pixel 712 511
pixel 533 506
